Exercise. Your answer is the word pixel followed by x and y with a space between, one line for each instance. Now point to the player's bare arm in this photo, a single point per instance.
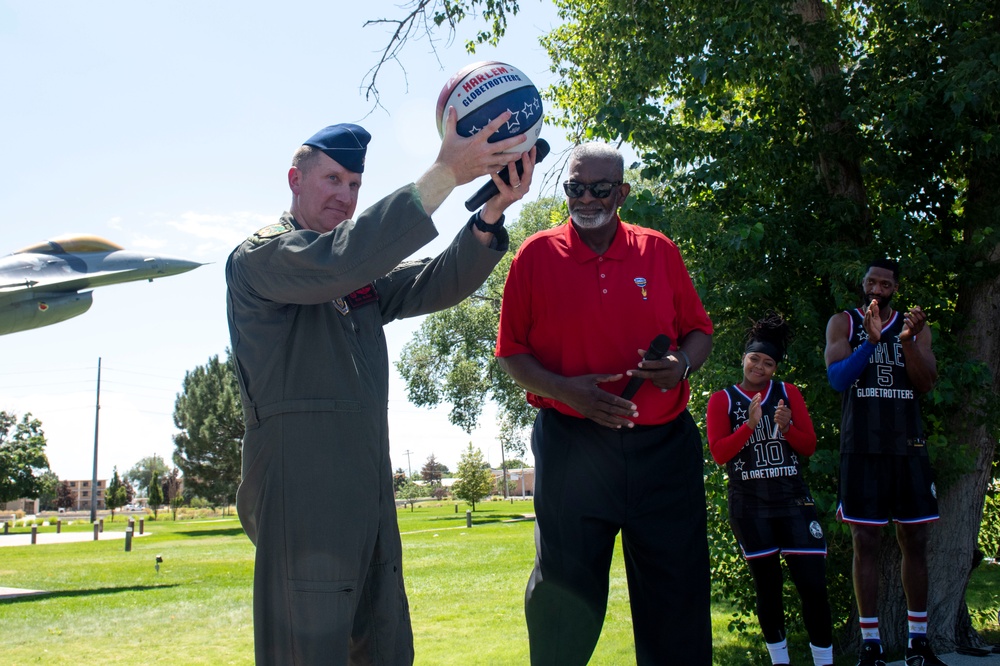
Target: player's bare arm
pixel 582 393
pixel 921 365
pixel 838 339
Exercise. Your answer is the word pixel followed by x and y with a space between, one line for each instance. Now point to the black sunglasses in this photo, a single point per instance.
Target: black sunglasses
pixel 600 190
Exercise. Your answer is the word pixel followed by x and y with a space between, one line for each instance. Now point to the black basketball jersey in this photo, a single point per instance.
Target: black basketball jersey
pixel 764 477
pixel 881 410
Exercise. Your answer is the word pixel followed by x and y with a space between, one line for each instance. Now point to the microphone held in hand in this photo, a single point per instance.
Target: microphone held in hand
pixel 658 348
pixel 489 190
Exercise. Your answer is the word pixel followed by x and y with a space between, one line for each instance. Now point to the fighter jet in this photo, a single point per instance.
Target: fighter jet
pixel 41 284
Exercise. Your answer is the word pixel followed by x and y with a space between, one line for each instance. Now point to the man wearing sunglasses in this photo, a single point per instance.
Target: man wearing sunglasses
pixel 581 304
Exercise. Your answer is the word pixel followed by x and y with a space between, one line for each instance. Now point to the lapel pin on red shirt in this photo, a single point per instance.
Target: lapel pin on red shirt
pixel 641 283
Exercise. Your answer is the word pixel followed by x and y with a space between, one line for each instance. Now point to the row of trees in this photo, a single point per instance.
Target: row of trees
pixel 783 145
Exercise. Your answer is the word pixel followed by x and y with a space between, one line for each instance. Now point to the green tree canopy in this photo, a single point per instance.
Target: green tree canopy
pixel 22 456
pixel 210 419
pixel 142 472
pixel 475 480
pixel 48 485
pixel 155 495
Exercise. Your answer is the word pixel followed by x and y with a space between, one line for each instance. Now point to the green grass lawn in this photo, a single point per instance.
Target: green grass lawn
pixel 465 587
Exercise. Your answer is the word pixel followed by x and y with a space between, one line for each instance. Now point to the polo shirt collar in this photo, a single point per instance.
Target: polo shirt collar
pixel 581 252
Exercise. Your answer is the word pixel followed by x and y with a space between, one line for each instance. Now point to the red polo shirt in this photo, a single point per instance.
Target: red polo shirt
pixel 580 313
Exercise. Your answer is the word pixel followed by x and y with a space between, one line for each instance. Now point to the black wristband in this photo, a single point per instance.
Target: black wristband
pixel 494 228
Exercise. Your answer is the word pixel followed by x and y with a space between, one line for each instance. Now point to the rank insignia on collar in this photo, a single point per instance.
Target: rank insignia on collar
pixel 641 283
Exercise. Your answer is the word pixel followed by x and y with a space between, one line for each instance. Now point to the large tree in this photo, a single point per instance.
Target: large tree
pixel 475 479
pixel 22 456
pixel 48 484
pixel 141 474
pixel 210 419
pixel 433 471
pixel 792 141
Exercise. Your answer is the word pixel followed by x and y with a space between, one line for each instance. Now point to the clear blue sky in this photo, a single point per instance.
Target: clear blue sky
pixel 169 127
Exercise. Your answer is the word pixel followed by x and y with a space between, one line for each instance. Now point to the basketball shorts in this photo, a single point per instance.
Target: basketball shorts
pixel 797 534
pixel 877 488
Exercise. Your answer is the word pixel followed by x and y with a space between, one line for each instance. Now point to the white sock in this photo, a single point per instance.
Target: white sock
pixel 822 656
pixel 869 629
pixel 778 651
pixel 917 621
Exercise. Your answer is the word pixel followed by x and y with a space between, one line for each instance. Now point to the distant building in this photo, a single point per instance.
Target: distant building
pixel 522 481
pixel 80 491
pixel 28 506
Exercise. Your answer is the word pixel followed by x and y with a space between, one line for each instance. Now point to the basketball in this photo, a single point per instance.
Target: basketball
pixel 482 91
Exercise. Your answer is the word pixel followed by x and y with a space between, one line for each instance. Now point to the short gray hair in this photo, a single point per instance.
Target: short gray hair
pixel 304 156
pixel 599 150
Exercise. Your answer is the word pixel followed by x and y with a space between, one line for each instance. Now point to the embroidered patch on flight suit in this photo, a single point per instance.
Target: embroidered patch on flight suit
pixel 271 231
pixel 356 299
pixel 363 296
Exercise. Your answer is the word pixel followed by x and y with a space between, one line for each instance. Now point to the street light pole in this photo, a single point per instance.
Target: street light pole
pixel 97 421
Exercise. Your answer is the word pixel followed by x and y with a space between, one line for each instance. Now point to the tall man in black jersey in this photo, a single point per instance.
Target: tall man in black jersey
pixel 881 359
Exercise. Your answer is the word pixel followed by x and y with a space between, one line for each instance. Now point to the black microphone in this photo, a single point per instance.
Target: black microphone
pixel 658 348
pixel 490 190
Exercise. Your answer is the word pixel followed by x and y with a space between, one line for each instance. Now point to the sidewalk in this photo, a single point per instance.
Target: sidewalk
pixel 954 659
pixel 45 538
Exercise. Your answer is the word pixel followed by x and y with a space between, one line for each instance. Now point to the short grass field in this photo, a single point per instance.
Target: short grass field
pixel 465 587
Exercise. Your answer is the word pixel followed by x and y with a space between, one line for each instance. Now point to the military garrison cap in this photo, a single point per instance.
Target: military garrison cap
pixel 346 144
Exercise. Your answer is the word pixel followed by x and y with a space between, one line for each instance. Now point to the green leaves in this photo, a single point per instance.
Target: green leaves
pixel 210 418
pixel 22 456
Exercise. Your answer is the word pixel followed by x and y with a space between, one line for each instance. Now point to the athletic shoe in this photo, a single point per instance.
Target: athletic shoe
pixel 920 654
pixel 871 655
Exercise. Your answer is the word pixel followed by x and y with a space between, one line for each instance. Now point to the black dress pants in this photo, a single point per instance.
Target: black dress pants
pixel 591 483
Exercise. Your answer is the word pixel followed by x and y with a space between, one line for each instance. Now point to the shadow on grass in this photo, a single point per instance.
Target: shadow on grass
pixel 227 532
pixel 83 593
pixel 481 518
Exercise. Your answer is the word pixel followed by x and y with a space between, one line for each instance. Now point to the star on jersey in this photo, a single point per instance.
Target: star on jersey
pixel 740 414
pixel 863 335
pixel 738 466
pixel 795 459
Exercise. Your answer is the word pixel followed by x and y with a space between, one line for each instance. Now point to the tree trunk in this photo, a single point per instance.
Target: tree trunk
pixel 954 539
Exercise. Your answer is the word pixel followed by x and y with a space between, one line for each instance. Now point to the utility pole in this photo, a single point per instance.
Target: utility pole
pixel 97 421
pixel 409 471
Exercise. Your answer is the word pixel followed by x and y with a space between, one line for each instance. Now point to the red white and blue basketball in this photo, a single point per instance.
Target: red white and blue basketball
pixel 482 91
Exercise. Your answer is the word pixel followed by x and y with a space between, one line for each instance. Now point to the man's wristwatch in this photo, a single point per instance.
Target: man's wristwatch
pixel 494 228
pixel 687 364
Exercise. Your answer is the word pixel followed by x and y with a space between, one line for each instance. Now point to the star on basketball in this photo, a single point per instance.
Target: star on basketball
pixel 514 124
pixel 528 110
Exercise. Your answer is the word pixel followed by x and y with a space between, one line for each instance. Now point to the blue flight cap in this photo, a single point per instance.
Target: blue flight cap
pixel 346 144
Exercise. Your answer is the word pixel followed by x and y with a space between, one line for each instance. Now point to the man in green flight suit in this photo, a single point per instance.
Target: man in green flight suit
pixel 307 300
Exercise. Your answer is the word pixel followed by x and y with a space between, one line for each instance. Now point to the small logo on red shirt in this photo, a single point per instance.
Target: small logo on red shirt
pixel 641 283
